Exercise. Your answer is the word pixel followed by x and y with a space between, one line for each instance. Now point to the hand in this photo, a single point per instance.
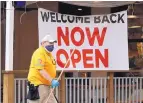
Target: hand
pixel 54 83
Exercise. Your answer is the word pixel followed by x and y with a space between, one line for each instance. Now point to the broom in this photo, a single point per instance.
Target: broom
pixel 60 75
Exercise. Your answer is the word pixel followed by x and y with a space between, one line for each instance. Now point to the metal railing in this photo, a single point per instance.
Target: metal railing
pixel 86 90
pixel 128 89
pixel 21 90
pixel 92 90
pixel 78 90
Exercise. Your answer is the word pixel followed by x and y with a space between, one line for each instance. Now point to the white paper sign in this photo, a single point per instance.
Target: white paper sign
pixel 98 42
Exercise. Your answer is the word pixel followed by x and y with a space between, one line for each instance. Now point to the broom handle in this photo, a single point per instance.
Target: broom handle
pixel 60 75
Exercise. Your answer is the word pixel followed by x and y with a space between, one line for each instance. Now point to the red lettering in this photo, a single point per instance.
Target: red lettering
pixel 59 62
pixel 75 57
pixel 61 35
pixel 87 58
pixel 91 38
pixel 73 32
pixel 99 56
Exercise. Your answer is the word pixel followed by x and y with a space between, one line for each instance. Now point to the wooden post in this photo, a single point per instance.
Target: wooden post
pixel 62 89
pixel 111 75
pixel 110 88
pixel 8 88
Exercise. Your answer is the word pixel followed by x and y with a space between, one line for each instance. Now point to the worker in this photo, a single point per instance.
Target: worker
pixel 42 73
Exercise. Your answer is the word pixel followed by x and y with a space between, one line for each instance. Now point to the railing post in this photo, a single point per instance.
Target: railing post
pixel 110 88
pixel 62 89
pixel 8 88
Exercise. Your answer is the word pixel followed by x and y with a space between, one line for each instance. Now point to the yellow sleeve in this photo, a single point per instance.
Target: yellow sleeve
pixel 39 61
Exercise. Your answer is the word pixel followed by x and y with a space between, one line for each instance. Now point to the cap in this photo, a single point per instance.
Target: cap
pixel 48 38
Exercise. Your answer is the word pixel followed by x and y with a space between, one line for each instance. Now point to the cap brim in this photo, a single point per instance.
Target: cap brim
pixel 53 41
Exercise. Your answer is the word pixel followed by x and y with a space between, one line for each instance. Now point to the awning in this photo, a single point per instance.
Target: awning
pixel 93 3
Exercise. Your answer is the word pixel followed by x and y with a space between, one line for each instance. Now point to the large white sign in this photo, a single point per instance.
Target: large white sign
pixel 98 42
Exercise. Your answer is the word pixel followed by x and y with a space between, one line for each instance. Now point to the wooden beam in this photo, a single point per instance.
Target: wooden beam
pixel 15 72
pixel 62 89
pixel 110 88
pixel 26 71
pixel 8 88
